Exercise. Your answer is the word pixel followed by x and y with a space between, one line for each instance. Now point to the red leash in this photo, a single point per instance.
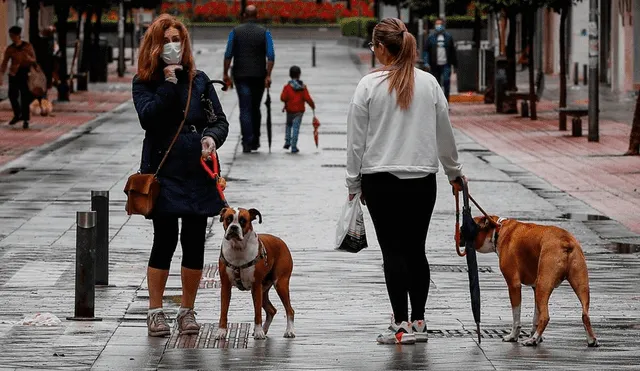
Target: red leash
pixel 214 173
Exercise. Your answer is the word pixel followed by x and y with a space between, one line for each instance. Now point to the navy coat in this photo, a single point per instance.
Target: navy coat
pixel 185 188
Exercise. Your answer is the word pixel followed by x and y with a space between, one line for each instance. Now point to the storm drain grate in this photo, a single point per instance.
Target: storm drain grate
pixel 210 277
pixel 457 268
pixel 237 337
pixel 484 333
pixel 334 132
pixel 334 165
pixel 334 149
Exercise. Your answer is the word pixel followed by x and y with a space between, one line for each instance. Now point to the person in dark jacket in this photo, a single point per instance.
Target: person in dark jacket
pixel 440 56
pixel 22 57
pixel 187 192
pixel 250 46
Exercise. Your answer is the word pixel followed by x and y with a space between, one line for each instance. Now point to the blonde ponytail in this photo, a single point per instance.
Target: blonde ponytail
pixel 393 34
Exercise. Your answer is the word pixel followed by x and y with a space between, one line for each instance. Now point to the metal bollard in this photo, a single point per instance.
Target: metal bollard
pixel 82 81
pixel 576 127
pixel 85 267
pixel 576 78
pixel 313 54
pixel 100 204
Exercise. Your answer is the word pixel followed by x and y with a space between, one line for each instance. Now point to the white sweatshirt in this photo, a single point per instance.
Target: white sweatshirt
pixel 383 138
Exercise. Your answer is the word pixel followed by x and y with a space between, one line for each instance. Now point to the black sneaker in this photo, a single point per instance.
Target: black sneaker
pixel 286 146
pixel 14 120
pixel 295 150
pixel 25 125
pixel 246 149
pixel 255 146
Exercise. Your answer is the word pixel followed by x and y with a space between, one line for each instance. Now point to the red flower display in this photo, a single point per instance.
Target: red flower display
pixel 277 11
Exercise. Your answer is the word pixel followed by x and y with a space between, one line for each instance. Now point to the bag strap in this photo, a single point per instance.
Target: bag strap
pixel 175 137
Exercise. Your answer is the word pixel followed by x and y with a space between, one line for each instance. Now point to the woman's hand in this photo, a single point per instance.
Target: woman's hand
pixel 457 186
pixel 208 146
pixel 170 72
pixel 352 195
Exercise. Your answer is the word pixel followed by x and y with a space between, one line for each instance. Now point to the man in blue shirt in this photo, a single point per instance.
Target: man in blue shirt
pixel 250 46
pixel 440 56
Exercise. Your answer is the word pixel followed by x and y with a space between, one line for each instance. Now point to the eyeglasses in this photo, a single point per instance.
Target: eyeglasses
pixel 372 46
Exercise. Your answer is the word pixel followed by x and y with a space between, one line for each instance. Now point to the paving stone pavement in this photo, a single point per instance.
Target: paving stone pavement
pixel 340 299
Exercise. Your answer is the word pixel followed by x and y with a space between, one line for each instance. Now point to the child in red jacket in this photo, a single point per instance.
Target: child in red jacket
pixel 294 95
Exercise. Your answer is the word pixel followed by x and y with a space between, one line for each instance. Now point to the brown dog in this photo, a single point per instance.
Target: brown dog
pixel 541 257
pixel 253 262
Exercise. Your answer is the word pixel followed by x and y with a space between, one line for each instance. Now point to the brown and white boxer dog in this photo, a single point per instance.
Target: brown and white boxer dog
pixel 255 262
pixel 541 257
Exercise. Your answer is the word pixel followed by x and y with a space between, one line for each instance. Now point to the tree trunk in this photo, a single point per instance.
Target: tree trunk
pixel 530 20
pixel 398 9
pixel 502 23
pixel 86 42
pixel 34 29
pixel 97 28
pixel 511 52
pixel 634 138
pixel 132 25
pixel 62 12
pixel 563 67
pixel 477 25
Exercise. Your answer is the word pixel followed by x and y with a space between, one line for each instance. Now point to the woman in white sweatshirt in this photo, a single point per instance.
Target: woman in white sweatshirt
pixel 397 129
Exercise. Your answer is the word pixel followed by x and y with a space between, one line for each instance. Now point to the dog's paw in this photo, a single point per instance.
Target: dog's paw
pixel 289 334
pixel 220 334
pixel 593 344
pixel 510 339
pixel 258 333
pixel 532 342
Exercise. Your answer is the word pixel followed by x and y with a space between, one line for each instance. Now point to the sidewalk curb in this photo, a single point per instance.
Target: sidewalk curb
pixel 30 156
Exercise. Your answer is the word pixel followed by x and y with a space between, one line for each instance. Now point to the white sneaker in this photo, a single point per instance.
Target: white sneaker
pixel 419 328
pixel 400 334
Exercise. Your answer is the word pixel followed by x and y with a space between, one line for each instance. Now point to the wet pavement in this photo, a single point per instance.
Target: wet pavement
pixel 340 299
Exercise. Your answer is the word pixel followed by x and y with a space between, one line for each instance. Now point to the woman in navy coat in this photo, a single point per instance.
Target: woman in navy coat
pixel 187 192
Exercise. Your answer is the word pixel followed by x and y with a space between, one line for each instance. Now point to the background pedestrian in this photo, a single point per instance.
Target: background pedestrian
pixel 440 55
pixel 294 95
pixel 22 57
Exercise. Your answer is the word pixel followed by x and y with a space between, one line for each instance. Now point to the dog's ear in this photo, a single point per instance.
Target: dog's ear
pixel 222 212
pixel 483 223
pixel 255 213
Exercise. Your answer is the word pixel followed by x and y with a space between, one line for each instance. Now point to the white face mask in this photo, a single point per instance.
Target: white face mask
pixel 172 53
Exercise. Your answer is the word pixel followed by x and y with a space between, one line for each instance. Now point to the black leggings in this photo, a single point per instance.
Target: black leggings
pixel 165 240
pixel 401 211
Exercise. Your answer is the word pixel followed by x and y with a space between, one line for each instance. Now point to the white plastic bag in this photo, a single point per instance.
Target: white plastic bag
pixel 350 232
pixel 40 319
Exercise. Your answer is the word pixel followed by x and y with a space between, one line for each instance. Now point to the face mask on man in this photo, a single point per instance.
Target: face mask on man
pixel 439 28
pixel 172 53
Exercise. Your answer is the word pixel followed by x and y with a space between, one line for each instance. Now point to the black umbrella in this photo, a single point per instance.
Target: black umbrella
pixel 268 104
pixel 469 231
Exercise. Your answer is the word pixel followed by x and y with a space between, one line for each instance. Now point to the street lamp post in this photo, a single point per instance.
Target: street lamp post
pixel 594 104
pixel 441 8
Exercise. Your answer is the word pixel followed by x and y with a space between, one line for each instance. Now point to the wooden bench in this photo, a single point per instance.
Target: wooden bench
pixel 576 122
pixel 527 97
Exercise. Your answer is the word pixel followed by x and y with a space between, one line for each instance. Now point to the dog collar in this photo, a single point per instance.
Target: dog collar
pixel 262 254
pixel 496 234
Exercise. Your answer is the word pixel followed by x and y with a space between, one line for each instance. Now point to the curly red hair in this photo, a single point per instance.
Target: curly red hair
pixel 150 65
